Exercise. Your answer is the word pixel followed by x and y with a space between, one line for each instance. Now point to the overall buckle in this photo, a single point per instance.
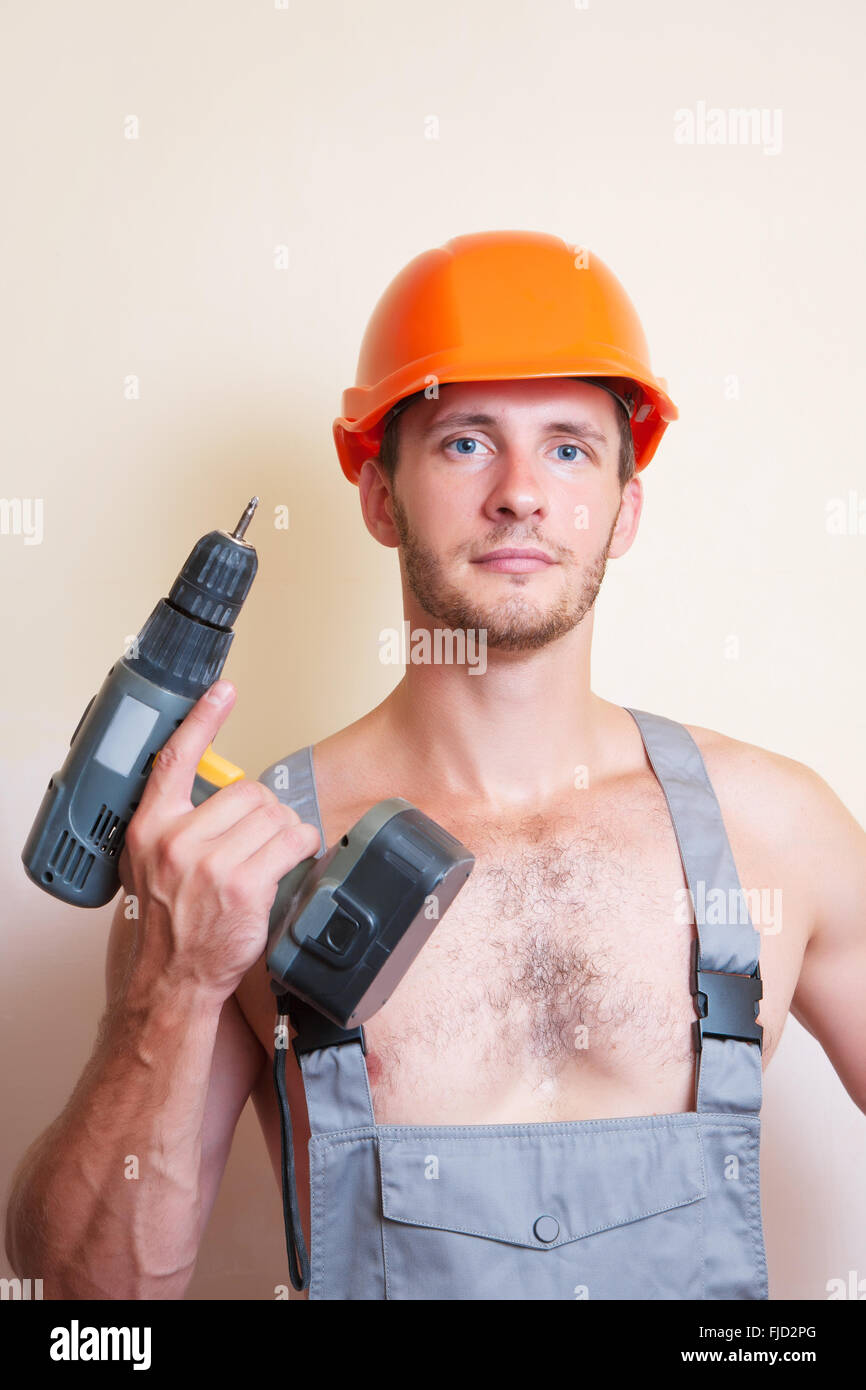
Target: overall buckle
pixel 313 1029
pixel 727 1003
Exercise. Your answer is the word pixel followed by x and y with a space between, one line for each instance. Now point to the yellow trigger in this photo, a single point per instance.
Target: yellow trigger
pixel 217 770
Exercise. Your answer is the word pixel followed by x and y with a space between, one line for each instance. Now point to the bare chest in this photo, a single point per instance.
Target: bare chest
pixel 563 962
pixel 556 986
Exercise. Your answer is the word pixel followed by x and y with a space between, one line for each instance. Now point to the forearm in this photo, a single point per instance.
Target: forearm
pixel 107 1203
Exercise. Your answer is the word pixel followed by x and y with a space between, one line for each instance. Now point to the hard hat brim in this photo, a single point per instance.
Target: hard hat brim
pixel 358 431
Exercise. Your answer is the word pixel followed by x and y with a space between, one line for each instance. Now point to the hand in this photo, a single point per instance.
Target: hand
pixel 206 876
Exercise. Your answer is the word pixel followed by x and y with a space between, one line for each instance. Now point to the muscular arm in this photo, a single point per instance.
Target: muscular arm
pixel 830 994
pixel 167 1080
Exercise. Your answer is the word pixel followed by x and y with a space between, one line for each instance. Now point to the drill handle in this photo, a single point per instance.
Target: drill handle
pixel 214 772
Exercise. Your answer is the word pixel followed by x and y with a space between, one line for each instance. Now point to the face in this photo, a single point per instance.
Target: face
pixel 492 467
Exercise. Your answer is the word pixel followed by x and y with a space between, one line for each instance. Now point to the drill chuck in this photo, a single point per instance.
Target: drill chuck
pixel 185 641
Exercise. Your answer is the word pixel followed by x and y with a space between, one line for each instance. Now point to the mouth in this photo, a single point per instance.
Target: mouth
pixel 514 561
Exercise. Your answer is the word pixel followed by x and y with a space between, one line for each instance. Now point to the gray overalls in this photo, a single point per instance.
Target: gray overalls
pixel 650 1207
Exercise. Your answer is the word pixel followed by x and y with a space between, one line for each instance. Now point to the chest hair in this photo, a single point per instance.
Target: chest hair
pixel 563 947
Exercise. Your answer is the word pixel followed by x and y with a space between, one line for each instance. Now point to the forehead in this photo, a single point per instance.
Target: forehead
pixel 510 401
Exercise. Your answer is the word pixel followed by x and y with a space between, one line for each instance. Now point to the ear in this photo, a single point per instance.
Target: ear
pixel 626 526
pixel 375 494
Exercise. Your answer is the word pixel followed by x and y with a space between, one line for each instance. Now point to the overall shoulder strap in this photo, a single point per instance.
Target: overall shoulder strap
pixel 331 1060
pixel 292 780
pixel 725 975
pixel 335 1076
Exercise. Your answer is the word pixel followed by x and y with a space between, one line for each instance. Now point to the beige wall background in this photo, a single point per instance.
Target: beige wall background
pixel 355 137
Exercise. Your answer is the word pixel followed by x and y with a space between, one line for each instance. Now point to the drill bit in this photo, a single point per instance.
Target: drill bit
pixel 246 518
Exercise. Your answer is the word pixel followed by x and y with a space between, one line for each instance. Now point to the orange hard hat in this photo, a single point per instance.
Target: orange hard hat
pixel 497 306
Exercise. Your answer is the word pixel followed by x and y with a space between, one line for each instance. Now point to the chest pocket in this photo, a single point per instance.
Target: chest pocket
pixel 595 1209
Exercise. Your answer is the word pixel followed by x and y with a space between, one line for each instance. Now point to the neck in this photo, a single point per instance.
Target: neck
pixel 514 734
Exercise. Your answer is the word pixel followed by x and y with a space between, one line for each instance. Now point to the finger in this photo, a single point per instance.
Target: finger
pixel 173 771
pixel 231 804
pixel 284 851
pixel 246 834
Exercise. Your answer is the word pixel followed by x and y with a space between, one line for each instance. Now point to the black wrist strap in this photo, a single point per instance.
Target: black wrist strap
pixel 299 1261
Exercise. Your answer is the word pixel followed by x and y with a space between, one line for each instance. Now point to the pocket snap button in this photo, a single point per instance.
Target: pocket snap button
pixel 546 1228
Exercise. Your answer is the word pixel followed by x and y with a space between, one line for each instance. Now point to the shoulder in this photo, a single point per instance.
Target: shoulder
pixel 736 769
pixel 748 768
pixel 784 806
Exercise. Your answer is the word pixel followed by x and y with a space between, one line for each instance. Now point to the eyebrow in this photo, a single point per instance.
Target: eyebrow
pixel 579 427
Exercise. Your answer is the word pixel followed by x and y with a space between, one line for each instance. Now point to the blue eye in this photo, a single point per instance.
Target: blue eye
pixel 571 459
pixel 465 439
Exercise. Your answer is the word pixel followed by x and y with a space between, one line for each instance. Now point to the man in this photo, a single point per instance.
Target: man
pixel 557 989
pixel 533 1113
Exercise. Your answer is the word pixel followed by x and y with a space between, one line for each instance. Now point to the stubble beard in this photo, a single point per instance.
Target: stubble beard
pixel 515 622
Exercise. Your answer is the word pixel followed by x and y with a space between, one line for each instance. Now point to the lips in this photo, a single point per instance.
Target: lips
pixel 515 560
pixel 511 554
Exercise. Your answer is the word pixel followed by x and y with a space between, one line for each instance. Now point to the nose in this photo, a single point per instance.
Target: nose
pixel 517 492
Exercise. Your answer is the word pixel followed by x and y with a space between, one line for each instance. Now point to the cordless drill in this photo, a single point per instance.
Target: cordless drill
pixel 74 845
pixel 345 925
